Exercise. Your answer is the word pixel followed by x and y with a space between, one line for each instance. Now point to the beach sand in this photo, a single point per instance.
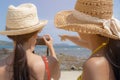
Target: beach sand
pixel 70 75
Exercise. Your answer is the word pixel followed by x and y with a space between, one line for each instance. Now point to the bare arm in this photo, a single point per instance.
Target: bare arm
pixel 49 43
pixel 75 39
pixel 53 62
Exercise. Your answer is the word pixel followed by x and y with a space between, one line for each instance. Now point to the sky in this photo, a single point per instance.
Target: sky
pixel 46 11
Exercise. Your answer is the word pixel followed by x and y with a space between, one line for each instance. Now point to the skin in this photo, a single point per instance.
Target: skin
pixel 96 67
pixel 35 62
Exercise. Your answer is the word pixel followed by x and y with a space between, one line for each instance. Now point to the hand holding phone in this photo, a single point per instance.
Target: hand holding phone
pixel 48 40
pixel 49 44
pixel 41 41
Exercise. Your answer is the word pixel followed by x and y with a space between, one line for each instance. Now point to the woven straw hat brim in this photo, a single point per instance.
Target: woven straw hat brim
pixel 65 20
pixel 31 29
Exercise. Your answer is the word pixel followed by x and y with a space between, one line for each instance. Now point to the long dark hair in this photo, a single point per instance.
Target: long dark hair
pixel 20 66
pixel 113 56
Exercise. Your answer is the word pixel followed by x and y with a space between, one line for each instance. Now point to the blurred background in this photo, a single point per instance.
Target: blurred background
pixel 46 11
pixel 70 55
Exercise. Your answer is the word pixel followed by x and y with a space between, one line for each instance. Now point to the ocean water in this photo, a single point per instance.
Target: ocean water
pixel 67 50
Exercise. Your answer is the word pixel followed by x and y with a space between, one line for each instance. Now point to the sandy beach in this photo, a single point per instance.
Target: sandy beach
pixel 70 75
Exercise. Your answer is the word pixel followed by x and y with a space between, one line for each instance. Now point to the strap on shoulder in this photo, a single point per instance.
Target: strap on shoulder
pixel 46 67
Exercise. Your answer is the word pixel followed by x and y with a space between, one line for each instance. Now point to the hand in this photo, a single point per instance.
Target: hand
pixel 48 40
pixel 63 37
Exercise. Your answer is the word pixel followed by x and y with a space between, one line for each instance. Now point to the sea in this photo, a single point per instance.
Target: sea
pixel 65 50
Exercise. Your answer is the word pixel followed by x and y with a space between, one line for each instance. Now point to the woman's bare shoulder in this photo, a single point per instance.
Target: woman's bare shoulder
pixel 97 67
pixel 96 61
pixel 35 59
pixel 37 66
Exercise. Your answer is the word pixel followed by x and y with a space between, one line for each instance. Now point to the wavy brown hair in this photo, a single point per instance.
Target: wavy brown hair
pixel 113 56
pixel 20 65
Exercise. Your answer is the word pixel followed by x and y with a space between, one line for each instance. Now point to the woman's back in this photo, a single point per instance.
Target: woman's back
pixel 36 67
pixel 97 67
pixel 23 30
pixel 6 70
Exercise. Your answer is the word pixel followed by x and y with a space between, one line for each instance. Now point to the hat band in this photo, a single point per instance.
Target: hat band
pixel 111 25
pixel 7 28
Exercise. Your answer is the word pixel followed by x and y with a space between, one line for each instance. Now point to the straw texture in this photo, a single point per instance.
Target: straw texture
pixel 22 19
pixel 97 8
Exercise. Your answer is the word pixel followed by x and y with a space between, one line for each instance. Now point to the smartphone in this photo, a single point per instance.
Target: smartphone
pixel 40 40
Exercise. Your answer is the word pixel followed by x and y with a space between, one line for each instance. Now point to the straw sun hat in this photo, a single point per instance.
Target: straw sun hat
pixel 91 17
pixel 22 20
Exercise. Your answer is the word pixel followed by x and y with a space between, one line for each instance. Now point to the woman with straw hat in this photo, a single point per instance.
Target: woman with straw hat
pixel 98 31
pixel 23 26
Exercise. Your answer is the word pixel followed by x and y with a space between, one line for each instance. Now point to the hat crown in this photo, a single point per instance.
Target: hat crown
pixel 98 8
pixel 22 16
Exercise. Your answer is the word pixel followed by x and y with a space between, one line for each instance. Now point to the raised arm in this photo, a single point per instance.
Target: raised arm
pixel 53 62
pixel 49 43
pixel 75 39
